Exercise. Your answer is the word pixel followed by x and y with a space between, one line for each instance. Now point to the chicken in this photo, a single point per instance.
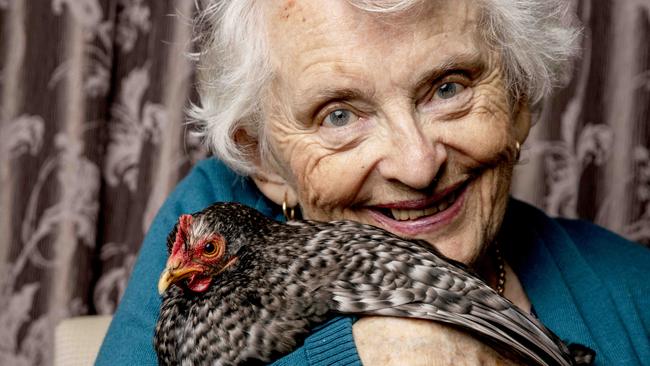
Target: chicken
pixel 242 288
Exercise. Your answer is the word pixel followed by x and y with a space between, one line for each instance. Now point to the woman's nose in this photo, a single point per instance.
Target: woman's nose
pixel 412 158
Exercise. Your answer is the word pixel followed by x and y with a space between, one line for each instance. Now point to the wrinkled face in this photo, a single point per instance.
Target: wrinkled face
pixel 402 122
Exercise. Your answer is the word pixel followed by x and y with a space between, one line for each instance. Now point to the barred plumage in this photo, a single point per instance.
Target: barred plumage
pixel 274 281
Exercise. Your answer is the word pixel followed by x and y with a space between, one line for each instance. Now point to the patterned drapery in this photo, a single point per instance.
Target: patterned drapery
pixel 92 140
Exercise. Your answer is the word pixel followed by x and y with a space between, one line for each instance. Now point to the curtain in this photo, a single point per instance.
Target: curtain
pixel 92 139
pixel 588 155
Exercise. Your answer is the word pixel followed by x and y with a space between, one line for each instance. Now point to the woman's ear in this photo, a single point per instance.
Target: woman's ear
pixel 275 188
pixel 522 120
pixel 268 181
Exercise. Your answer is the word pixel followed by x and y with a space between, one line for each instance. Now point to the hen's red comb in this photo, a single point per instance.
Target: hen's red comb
pixel 184 223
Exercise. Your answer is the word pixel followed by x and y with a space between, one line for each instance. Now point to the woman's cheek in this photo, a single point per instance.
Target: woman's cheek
pixel 323 185
pixel 484 133
pixel 328 181
pixel 485 136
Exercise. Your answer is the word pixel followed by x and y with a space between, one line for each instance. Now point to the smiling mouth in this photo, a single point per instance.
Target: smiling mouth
pixel 410 211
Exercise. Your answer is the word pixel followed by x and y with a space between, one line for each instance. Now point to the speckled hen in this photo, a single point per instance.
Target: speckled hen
pixel 242 288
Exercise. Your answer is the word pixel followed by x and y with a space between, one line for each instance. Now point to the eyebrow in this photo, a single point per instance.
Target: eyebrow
pixel 310 103
pixel 333 93
pixel 471 61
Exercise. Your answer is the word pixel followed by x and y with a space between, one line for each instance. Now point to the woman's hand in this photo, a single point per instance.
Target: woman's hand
pixel 400 341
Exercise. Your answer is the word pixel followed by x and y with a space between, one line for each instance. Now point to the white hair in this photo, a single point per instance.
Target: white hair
pixel 535 39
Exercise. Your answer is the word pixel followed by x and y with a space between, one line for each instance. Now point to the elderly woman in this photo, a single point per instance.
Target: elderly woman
pixel 406 115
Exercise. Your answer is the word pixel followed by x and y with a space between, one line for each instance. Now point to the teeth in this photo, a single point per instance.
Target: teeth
pixel 442 206
pixel 403 215
pixel 430 211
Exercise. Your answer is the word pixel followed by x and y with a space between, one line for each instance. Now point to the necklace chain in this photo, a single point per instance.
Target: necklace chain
pixel 501 272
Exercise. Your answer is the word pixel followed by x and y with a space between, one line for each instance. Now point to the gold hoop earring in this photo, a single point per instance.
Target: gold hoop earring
pixel 517 150
pixel 288 212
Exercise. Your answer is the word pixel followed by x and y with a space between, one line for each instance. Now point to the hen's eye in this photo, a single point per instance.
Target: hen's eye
pixel 449 90
pixel 209 248
pixel 340 118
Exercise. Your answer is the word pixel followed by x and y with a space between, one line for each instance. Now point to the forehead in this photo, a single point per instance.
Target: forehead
pixel 313 41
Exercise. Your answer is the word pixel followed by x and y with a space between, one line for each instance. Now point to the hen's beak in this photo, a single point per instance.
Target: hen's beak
pixel 174 273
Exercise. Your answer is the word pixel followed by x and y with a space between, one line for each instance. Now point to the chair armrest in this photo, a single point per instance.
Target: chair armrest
pixel 77 340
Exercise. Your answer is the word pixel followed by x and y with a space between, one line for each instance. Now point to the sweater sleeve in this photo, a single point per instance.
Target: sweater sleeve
pixel 330 344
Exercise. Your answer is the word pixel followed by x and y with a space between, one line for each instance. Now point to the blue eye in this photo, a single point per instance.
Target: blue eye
pixel 449 90
pixel 340 118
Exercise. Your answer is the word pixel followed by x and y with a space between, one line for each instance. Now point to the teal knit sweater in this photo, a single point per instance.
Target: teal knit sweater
pixel 587 284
